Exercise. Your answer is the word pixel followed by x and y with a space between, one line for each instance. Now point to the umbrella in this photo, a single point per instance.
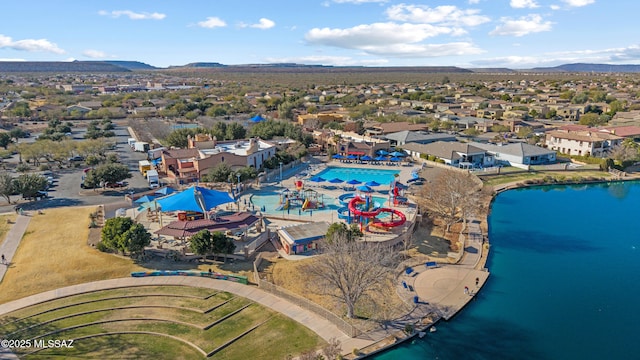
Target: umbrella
pixel 338 156
pixel 382 152
pixel 366 158
pixel 372 183
pixel 317 179
pixel 335 181
pixel 194 198
pixel 380 158
pixel 352 157
pixel 145 199
pixel 257 119
pixel 364 188
pixel 165 191
pixel 398 154
pixel 395 158
pixel 354 182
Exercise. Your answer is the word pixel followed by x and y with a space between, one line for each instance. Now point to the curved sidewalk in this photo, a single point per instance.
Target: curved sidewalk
pixel 317 324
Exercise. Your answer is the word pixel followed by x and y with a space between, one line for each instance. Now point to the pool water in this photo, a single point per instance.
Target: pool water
pixel 384 177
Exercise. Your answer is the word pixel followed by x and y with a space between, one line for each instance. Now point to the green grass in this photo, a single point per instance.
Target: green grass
pixel 266 339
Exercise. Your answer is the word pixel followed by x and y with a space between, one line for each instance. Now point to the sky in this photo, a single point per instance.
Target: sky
pixel 517 34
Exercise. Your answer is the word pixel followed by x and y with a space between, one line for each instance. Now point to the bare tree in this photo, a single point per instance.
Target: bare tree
pixel 452 196
pixel 332 349
pixel 347 269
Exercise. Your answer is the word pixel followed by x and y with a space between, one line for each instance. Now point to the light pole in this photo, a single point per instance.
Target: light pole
pixel 238 185
pixel 280 171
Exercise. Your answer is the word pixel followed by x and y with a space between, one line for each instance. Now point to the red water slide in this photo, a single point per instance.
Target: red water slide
pixel 388 224
pixel 354 210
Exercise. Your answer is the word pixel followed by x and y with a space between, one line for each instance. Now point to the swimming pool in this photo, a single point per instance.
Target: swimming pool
pixel 383 177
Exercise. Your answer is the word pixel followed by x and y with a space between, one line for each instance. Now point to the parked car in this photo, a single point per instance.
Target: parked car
pixel 76 158
pixel 118 184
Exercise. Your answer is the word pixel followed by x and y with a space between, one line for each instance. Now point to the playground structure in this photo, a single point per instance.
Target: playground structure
pixel 306 199
pixel 367 215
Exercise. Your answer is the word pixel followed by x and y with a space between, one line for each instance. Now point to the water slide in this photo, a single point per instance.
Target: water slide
pixel 284 206
pixel 375 212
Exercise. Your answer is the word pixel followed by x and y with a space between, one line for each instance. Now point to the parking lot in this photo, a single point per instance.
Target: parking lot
pixel 66 191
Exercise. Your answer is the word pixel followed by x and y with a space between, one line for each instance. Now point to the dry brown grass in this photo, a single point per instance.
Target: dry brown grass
pixel 54 253
pixel 6 222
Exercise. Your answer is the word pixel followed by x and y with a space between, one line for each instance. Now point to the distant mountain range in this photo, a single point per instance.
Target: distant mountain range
pixel 127 66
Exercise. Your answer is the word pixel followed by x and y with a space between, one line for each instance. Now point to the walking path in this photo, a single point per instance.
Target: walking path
pixel 11 242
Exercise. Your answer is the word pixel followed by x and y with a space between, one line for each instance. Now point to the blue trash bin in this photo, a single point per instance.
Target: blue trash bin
pixel 416 299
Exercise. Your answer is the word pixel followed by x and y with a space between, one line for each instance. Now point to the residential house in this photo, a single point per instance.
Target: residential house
pixel 593 143
pixel 632 132
pixel 452 153
pixel 421 137
pixel 391 127
pixel 519 154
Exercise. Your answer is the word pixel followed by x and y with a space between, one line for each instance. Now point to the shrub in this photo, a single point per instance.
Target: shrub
pixel 102 247
pixel 408 328
pixel 44 167
pixel 22 168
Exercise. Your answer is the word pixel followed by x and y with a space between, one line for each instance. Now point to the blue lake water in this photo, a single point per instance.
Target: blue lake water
pixel 564 284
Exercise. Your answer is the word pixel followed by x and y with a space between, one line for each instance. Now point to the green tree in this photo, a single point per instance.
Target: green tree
pixel 123 234
pixel 201 243
pixel 30 184
pixel 592 119
pixel 136 239
pixel 221 244
pixel 220 173
pixel 341 230
pixel 524 132
pixel 17 133
pixel 7 186
pixel 499 128
pixel 5 140
pixel 235 131
pixel 178 137
pixel 110 173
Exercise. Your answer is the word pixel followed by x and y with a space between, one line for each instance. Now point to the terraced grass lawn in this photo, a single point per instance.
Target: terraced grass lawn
pixel 178 321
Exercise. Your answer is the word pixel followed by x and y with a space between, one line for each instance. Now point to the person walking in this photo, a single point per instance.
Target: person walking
pixel 4 260
pixel 477 281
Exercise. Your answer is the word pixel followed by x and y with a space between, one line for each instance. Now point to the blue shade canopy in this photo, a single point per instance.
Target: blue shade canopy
pixel 395 158
pixel 194 198
pixel 353 182
pixel 366 158
pixel 382 152
pixel 372 183
pixel 335 181
pixel 401 186
pixel 380 158
pixel 398 154
pixel 352 157
pixel 317 179
pixel 165 191
pixel 144 199
pixel 257 119
pixel 338 156
pixel 364 188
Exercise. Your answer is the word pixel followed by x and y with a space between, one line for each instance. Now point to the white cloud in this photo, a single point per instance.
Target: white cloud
pixel 578 3
pixel 133 15
pixel 328 60
pixel 554 7
pixel 4 59
pixel 31 45
pixel 473 2
pixel 212 22
pixel 447 14
pixel 263 24
pixel 358 2
pixel 95 54
pixel 522 26
pixel 521 4
pixel 391 39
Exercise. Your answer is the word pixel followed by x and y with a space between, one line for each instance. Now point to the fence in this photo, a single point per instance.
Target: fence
pixel 304 303
pixel 251 248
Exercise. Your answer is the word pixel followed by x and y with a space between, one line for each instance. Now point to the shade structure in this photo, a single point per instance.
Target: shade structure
pixel 145 199
pixel 335 181
pixel 401 186
pixel 380 158
pixel 354 182
pixel 372 183
pixel 395 158
pixel 194 198
pixel 366 158
pixel 257 119
pixel 364 188
pixel 398 154
pixel 382 152
pixel 165 191
pixel 317 179
pixel 338 156
pixel 352 157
